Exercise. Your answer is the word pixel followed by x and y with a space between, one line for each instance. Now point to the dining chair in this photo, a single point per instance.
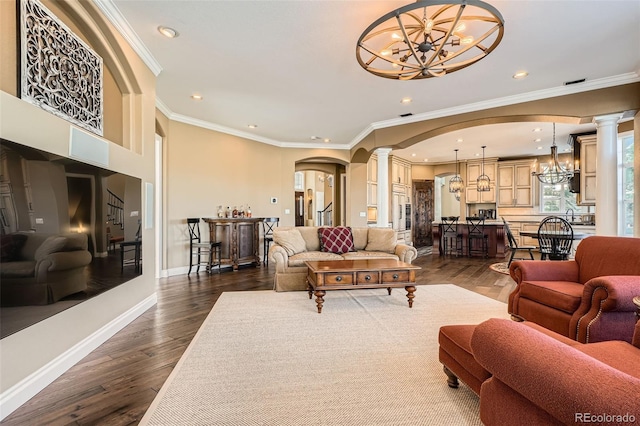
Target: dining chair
pixel 135 246
pixel 451 238
pixel 555 237
pixel 513 246
pixel 199 249
pixel 477 240
pixel 268 223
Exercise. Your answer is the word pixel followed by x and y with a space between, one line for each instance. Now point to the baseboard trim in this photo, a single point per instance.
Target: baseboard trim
pixel 15 396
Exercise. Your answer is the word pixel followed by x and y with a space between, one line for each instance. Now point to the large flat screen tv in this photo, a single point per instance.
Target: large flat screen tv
pixel 45 196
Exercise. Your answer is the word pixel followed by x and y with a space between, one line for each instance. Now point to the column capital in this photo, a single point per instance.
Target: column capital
pixel 609 117
pixel 383 151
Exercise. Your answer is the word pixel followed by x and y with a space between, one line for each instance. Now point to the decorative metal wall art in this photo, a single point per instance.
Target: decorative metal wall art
pixel 60 73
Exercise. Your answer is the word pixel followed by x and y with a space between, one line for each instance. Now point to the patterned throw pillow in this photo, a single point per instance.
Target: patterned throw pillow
pixel 336 240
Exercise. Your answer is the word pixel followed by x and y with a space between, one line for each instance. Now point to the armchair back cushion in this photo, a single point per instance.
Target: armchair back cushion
pixel 291 240
pixel 603 256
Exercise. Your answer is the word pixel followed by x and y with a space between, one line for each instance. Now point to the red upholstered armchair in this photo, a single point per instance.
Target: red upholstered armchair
pixel 588 299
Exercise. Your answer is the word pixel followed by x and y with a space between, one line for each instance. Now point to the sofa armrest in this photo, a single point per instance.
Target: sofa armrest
pixel 553 376
pixel 606 311
pixel 62 261
pixel 542 270
pixel 279 257
pixel 406 253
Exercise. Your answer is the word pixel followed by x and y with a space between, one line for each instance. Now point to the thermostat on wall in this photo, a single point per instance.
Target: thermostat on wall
pixel 274 200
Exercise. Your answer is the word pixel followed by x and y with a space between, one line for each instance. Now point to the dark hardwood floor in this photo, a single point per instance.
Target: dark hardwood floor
pixel 116 383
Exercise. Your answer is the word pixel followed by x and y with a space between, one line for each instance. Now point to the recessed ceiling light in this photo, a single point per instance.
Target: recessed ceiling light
pixel 520 74
pixel 326 140
pixel 168 32
pixel 477 154
pixel 253 126
pixel 413 155
pixel 406 100
pixel 196 97
pixel 426 159
pixel 315 138
pixel 539 147
pixel 537 140
pixel 459 140
pixel 537 129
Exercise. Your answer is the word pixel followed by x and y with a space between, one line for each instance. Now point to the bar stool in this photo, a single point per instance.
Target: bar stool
pixel 477 237
pixel 198 249
pixel 451 236
pixel 268 223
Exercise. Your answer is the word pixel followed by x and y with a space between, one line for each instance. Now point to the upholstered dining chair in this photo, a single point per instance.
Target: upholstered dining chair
pixel 200 250
pixel 555 237
pixel 513 245
pixel 268 223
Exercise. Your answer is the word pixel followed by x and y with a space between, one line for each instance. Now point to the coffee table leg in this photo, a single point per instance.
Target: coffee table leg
pixel 389 290
pixel 319 299
pixel 410 289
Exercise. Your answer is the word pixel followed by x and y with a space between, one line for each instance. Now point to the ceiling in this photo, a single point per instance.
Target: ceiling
pixel 289 68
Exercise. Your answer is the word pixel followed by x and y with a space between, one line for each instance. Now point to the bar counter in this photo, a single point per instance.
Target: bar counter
pixel 493 228
pixel 240 238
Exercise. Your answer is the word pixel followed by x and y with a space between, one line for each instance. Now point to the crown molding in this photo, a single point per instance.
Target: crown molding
pixel 601 83
pixel 163 108
pixel 112 13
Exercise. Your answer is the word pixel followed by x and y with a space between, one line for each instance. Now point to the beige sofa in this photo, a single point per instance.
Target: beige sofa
pixel 289 252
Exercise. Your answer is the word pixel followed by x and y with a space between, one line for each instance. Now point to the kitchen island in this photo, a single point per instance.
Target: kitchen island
pixel 494 229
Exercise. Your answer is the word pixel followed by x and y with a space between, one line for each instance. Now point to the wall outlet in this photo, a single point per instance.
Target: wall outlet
pixel 274 200
pixel 287 211
pixel 134 213
pixel 39 221
pixel 363 214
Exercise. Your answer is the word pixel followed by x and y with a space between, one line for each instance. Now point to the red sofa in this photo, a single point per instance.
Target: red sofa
pixel 538 379
pixel 588 299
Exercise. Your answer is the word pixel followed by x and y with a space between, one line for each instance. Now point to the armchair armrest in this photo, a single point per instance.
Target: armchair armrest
pixel 572 383
pixel 606 311
pixel 406 253
pixel 62 261
pixel 279 257
pixel 542 270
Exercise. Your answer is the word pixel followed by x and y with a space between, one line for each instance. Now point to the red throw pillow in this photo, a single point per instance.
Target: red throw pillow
pixel 337 240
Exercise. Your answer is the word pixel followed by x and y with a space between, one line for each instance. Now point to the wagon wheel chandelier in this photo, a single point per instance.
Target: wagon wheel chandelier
pixel 430 38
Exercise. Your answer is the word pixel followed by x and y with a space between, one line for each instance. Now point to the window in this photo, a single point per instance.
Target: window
pixel 298 181
pixel 627 188
pixel 557 199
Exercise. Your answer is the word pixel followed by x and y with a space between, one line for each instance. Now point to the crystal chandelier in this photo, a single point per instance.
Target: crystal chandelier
pixel 429 38
pixel 483 182
pixel 456 184
pixel 555 173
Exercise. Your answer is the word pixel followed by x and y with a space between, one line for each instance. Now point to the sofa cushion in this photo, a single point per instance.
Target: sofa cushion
pixel 381 239
pixel 310 235
pixel 300 258
pixel 10 246
pixel 561 295
pixel 18 269
pixel 360 237
pixel 363 254
pixel 291 240
pixel 52 244
pixel 336 239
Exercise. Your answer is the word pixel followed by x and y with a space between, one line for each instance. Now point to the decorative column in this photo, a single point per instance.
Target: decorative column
pixel 383 187
pixel 607 174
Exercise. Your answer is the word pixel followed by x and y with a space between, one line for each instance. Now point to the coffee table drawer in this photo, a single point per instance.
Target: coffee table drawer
pixel 389 277
pixel 338 278
pixel 367 277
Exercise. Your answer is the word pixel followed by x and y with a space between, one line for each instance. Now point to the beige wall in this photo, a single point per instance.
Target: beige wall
pixel 31 349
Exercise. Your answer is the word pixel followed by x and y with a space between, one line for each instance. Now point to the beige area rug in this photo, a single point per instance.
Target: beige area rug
pixel 266 358
pixel 500 267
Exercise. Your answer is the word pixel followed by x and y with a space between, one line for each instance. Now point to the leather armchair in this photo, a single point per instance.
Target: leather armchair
pixel 589 298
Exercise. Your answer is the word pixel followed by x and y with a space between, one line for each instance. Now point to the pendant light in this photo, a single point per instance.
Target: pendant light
pixel 456 184
pixel 483 180
pixel 556 173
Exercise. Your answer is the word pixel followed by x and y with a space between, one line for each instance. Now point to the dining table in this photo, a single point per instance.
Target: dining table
pixel 555 234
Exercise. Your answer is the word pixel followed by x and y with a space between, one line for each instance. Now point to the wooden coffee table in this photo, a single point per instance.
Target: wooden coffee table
pixel 365 273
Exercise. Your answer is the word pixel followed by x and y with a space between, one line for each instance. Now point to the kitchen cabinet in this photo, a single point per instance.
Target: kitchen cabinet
pixel 588 154
pixel 515 184
pixel 400 197
pixel 474 169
